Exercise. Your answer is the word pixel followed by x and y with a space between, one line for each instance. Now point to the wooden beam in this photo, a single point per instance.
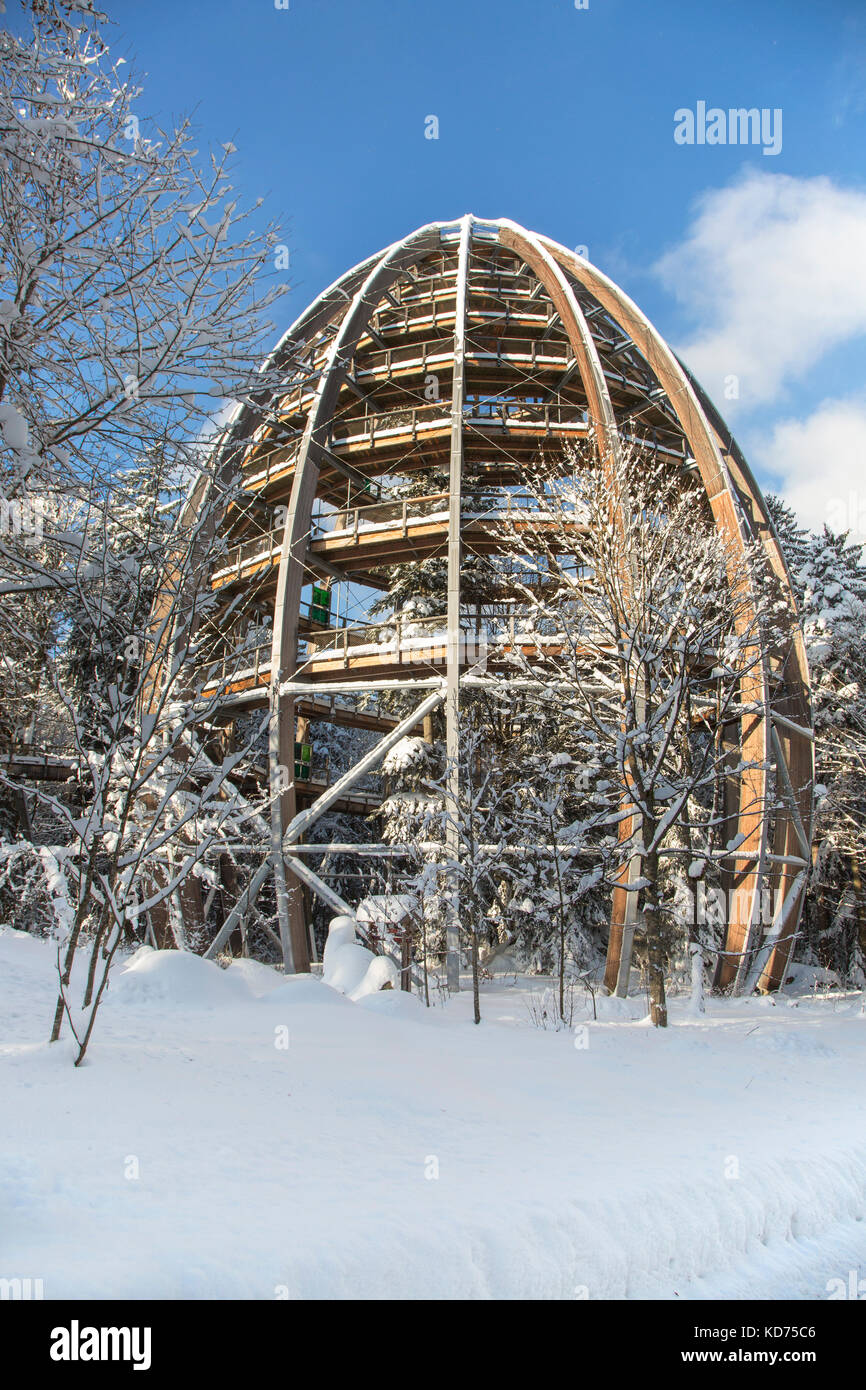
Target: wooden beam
pixel 354 475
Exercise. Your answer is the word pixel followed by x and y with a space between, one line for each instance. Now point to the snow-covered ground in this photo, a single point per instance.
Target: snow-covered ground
pixel 392 1151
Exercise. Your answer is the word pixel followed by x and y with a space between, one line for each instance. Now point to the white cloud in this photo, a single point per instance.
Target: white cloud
pixel 819 463
pixel 772 271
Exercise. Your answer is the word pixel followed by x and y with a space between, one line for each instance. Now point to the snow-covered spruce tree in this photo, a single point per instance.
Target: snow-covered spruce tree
pixel 793 538
pixel 475 827
pixel 29 629
pixel 831 580
pixel 520 878
pixel 558 878
pixel 410 816
pixel 130 311
pixel 647 620
pixel 545 903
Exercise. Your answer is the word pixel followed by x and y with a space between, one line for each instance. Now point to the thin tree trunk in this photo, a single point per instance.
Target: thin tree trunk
pixel 424 958
pixel 94 956
pixel 552 828
pixel 654 951
pixel 71 946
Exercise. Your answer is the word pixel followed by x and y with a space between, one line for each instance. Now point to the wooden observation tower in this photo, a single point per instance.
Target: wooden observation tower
pixel 469 344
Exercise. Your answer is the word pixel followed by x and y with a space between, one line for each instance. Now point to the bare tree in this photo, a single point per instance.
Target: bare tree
pixel 130 307
pixel 158 799
pixel 131 313
pixel 650 622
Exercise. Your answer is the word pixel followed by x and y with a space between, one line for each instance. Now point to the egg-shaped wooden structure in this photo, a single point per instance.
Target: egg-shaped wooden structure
pixel 476 343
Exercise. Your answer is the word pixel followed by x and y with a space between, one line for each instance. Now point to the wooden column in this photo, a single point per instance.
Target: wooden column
pixel 452 668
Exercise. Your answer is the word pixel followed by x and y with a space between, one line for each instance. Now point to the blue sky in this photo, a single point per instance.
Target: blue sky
pixel 753 265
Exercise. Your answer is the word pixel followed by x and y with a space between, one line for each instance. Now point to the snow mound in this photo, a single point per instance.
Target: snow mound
pixel 340 931
pixel 13 942
pixel 178 978
pixel 610 1008
pixel 805 979
pixel 351 968
pixel 396 1003
pixel 301 989
pixel 259 978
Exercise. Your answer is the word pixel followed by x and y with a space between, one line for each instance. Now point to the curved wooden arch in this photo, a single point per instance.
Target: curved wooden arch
pixel 762 743
pixel 791 736
pixel 624 902
pixel 383 271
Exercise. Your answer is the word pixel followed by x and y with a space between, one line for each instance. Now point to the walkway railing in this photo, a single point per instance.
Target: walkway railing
pixel 399 640
pixel 436 352
pixel 511 416
pixel 387 516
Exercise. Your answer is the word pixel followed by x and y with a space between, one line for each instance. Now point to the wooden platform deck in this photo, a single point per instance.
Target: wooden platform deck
pixel 364 655
pixel 39 766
